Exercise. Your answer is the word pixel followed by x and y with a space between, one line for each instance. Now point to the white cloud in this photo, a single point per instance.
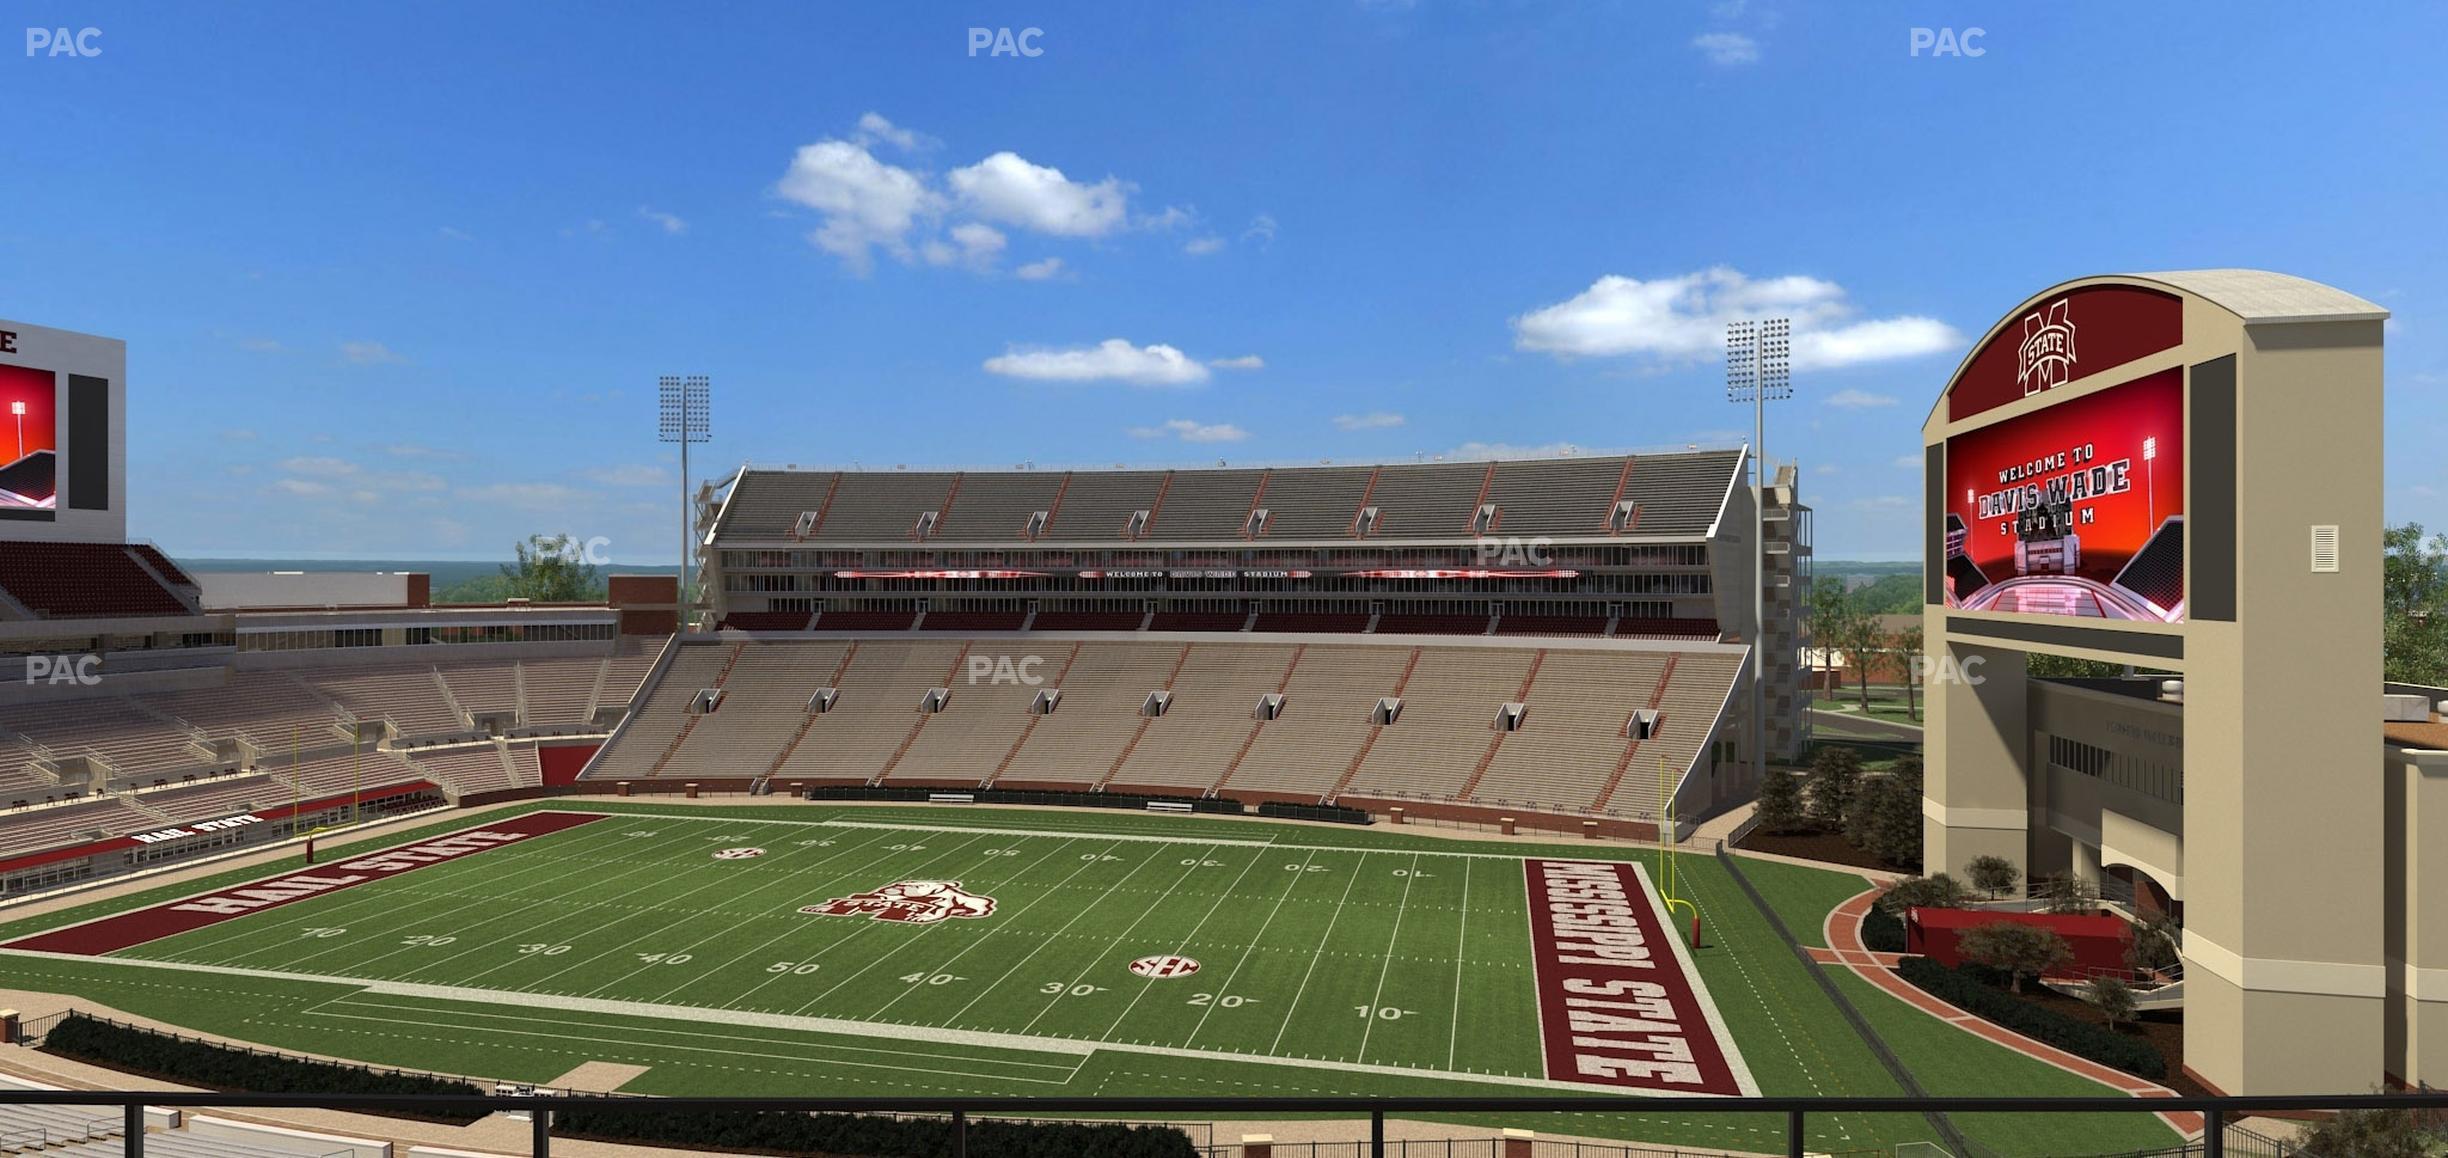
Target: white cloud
pixel 1112 360
pixel 319 466
pixel 452 233
pixel 1683 319
pixel 670 222
pixel 1908 462
pixel 1203 246
pixel 973 245
pixel 873 127
pixel 1859 400
pixel 413 450
pixel 302 488
pixel 1189 431
pixel 1173 217
pixel 525 496
pixel 1727 48
pixel 368 353
pixel 633 475
pixel 1008 188
pixel 1046 270
pixel 1244 362
pixel 866 204
pixel 1261 230
pixel 1373 420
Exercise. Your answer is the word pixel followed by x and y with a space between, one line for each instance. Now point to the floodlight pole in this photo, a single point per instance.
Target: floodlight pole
pixel 685 419
pixel 1758 367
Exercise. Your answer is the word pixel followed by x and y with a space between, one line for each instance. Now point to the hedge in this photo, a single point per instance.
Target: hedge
pixel 233 1070
pixel 844 1135
pixel 1881 932
pixel 1969 988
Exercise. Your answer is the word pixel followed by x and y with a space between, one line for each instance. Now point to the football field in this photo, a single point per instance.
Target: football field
pixel 795 949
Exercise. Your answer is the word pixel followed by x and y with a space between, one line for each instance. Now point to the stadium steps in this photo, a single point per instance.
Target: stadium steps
pixel 1351 771
pixel 1030 725
pixel 451 699
pixel 923 717
pixel 825 508
pixel 1375 472
pixel 1631 746
pixel 1622 480
pixel 1242 753
pixel 1257 500
pixel 1054 509
pixel 1487 483
pixel 1140 733
pixel 690 725
pixel 1479 771
pixel 951 495
pixel 805 724
pixel 1156 508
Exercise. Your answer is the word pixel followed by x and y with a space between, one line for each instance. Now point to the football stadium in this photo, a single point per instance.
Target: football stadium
pixel 1468 747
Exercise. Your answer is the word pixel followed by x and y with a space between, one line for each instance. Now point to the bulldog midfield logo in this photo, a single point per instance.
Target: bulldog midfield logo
pixel 918 902
pixel 2046 360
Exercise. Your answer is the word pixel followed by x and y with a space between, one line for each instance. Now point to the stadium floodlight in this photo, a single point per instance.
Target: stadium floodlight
pixel 17 407
pixel 687 415
pixel 1759 370
pixel 2150 481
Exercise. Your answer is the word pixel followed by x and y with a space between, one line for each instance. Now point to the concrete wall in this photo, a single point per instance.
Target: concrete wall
pixel 249 590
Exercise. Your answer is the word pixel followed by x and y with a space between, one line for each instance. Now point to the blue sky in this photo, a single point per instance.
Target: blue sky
pixel 397 280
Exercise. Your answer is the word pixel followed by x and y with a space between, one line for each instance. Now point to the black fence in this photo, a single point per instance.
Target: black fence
pixel 1132 801
pixel 1529 1110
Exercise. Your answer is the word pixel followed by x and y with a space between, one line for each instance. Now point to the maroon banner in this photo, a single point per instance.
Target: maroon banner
pixel 2080 332
pixel 1618 1005
pixel 127 930
pixel 291 811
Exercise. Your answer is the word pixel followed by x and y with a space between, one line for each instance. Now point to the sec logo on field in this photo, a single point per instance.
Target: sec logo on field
pixel 1165 967
pixel 739 853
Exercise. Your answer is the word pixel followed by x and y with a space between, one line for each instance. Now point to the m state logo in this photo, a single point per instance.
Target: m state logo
pixel 739 853
pixel 2046 359
pixel 917 902
pixel 1165 967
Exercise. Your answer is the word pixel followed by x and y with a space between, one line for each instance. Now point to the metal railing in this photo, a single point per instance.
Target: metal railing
pixel 1796 1112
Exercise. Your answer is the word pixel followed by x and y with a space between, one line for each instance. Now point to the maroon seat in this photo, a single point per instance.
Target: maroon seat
pixel 1551 625
pixel 864 620
pixel 1198 621
pixel 1088 620
pixel 83 580
pixel 766 621
pixel 973 621
pixel 1352 623
pixel 1432 624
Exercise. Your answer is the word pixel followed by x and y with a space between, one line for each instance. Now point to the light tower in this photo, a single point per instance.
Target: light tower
pixel 17 408
pixel 2150 481
pixel 1759 369
pixel 686 414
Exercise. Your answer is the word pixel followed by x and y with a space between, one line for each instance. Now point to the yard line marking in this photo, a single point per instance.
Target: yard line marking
pixel 860 928
pixel 1383 970
pixel 354 1002
pixel 1016 914
pixel 1250 949
pixel 921 935
pixel 715 878
pixel 1183 948
pixel 241 928
pixel 1042 942
pixel 494 942
pixel 1453 1038
pixel 1151 907
pixel 826 1025
pixel 779 879
pixel 1317 955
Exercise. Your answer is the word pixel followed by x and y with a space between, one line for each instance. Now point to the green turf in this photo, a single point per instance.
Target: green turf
pixel 1323 949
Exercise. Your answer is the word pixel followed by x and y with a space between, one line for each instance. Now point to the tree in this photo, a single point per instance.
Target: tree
pixel 2154 946
pixel 1937 891
pixel 2017 950
pixel 2069 894
pixel 1780 802
pixel 1834 776
pixel 1895 827
pixel 1994 875
pixel 2114 999
pixel 1910 643
pixel 1830 607
pixel 2413 606
pixel 2390 1133
pixel 552 569
pixel 1859 637
pixel 2037 663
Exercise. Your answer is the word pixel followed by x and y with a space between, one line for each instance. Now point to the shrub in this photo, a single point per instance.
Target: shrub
pixel 1882 931
pixel 1964 989
pixel 1780 802
pixel 234 1070
pixel 2069 895
pixel 2113 998
pixel 1834 776
pixel 769 1132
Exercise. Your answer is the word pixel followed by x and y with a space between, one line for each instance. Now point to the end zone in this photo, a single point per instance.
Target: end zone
pixel 1620 1003
pixel 128 930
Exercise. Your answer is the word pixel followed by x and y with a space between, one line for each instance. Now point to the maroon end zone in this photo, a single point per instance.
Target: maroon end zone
pixel 126 930
pixel 1617 1003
